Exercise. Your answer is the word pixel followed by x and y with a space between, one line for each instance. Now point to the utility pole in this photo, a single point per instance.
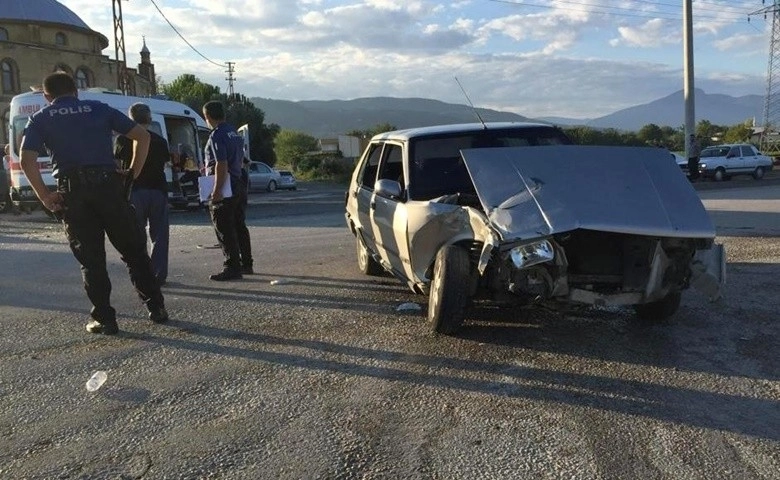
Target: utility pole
pixel 122 81
pixel 230 79
pixel 690 104
pixel 770 140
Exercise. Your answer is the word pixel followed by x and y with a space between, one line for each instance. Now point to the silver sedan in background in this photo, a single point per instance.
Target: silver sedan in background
pixel 262 177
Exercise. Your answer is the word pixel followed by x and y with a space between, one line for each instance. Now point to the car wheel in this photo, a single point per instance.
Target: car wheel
pixel 720 174
pixel 758 173
pixel 5 204
pixel 272 186
pixel 659 310
pixel 366 263
pixel 449 290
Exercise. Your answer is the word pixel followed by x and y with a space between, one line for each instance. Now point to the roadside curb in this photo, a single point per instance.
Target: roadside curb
pixel 771 179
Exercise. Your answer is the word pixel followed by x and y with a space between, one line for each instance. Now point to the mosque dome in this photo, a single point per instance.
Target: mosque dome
pixel 45 11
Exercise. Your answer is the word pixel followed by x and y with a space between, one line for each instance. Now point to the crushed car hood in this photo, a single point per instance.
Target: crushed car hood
pixel 528 192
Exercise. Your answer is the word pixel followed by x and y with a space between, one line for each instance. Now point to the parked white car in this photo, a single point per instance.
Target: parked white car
pixel 721 162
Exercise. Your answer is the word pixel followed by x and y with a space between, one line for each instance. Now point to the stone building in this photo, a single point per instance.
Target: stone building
pixel 38 37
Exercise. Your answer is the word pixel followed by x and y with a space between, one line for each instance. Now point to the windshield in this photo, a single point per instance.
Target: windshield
pixel 436 167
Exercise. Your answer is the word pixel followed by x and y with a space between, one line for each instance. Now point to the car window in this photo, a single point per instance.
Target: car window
pixel 747 151
pixel 253 167
pixel 715 152
pixel 436 167
pixel 264 168
pixel 370 167
pixel 734 152
pixel 392 167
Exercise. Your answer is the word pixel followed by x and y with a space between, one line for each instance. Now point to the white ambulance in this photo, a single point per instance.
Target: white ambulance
pixel 185 130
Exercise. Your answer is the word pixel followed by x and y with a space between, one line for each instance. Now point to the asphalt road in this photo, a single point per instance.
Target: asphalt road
pixel 306 369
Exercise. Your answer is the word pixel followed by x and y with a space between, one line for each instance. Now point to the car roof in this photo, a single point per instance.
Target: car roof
pixel 729 145
pixel 409 133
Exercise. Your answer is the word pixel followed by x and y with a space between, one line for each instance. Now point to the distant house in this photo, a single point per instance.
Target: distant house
pixel 348 146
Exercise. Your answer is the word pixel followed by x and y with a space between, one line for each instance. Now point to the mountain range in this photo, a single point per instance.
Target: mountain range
pixel 329 118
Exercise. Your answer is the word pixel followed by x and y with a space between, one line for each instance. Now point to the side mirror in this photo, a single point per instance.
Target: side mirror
pixel 388 189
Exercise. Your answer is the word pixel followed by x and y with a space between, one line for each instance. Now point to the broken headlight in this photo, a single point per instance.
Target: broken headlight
pixel 532 254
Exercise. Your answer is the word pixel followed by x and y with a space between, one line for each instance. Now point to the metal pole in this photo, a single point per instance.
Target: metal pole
pixel 690 113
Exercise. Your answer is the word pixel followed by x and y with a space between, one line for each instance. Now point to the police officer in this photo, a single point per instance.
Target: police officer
pixel 224 160
pixel 90 198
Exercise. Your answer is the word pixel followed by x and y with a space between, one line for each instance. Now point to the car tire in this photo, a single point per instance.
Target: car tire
pixel 271 186
pixel 659 310
pixel 719 175
pixel 758 173
pixel 366 263
pixel 449 291
pixel 5 204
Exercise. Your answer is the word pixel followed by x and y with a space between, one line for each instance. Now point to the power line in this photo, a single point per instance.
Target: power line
pixel 661 14
pixel 185 40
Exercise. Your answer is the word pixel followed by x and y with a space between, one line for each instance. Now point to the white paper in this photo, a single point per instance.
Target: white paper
pixel 206 186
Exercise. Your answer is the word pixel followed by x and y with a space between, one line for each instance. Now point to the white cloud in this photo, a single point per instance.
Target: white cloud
pixel 652 33
pixel 532 61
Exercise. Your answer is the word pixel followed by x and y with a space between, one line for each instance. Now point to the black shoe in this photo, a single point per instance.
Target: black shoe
pixel 106 328
pixel 158 315
pixel 226 274
pixel 247 270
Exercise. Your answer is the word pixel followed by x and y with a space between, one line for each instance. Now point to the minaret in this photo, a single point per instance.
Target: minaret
pixel 146 68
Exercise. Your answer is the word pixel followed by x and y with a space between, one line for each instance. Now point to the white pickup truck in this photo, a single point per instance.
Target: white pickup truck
pixel 721 162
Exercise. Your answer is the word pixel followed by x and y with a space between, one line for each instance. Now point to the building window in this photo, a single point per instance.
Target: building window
pixel 83 77
pixel 3 34
pixel 10 76
pixel 61 67
pixel 4 131
pixel 60 39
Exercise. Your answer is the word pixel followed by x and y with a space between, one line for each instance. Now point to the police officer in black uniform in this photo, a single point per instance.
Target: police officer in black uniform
pixel 90 198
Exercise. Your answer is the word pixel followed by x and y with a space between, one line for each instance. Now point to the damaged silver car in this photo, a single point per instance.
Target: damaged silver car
pixel 514 211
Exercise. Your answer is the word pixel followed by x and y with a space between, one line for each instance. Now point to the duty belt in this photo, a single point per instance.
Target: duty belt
pixel 85 177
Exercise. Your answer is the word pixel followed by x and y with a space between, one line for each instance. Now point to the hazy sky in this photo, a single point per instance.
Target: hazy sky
pixel 573 58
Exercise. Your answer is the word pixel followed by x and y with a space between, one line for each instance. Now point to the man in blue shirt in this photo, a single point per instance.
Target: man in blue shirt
pixel 90 198
pixel 224 160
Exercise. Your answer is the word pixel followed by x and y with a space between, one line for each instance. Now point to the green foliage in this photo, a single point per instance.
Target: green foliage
pixel 293 146
pixel 655 136
pixel 188 89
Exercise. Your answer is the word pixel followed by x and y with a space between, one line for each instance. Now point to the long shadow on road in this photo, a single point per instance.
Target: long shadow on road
pixel 756 417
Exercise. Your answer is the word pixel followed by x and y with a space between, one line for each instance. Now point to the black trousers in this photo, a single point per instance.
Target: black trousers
pixel 693 168
pixel 96 207
pixel 229 219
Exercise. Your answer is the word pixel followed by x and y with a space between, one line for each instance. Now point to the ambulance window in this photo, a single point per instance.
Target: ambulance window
pixel 17 129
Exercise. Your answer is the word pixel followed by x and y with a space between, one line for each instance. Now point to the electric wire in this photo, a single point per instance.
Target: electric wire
pixel 666 15
pixel 185 40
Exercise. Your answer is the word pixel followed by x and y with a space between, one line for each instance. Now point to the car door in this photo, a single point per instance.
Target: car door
pixel 364 193
pixel 749 158
pixel 389 214
pixel 734 161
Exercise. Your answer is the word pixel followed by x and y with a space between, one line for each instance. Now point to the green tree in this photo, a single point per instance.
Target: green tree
pixel 188 89
pixel 738 133
pixel 651 134
pixel 291 146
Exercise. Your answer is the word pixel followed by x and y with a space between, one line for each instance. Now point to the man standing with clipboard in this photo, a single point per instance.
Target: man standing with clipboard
pixel 224 157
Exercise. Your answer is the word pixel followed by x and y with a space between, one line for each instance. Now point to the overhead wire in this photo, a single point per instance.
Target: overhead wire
pixel 616 11
pixel 185 40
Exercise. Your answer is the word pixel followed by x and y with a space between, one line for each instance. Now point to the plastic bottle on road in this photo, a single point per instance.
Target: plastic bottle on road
pixel 96 380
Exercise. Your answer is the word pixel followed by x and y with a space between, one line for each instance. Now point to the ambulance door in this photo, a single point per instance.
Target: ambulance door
pixel 244 132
